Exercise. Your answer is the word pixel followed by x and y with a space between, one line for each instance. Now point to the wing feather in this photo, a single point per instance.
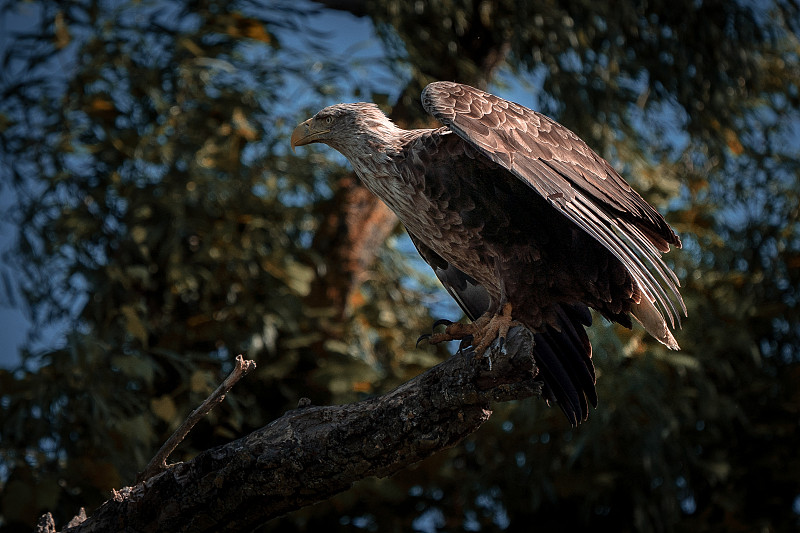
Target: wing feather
pixel 576 181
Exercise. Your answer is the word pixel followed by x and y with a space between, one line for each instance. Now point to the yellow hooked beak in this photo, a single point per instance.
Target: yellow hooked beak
pixel 306 133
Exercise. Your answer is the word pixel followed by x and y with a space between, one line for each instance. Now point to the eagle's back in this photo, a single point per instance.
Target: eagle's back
pixel 479 217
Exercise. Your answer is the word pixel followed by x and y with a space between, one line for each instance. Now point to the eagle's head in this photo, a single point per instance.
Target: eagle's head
pixel 352 129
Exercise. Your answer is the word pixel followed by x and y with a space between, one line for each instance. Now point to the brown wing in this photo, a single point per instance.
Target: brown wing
pixel 576 181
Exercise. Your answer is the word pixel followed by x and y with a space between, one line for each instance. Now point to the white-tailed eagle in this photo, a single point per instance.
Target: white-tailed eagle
pixel 521 222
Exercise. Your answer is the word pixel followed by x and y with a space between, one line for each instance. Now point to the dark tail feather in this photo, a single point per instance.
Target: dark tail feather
pixel 565 364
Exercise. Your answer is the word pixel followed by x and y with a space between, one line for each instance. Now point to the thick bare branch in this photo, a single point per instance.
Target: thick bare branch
pixel 312 453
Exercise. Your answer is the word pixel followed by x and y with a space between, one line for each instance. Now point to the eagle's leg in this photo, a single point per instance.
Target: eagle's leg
pixel 483 331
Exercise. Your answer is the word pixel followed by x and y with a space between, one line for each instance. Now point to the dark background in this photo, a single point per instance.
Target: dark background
pixel 157 225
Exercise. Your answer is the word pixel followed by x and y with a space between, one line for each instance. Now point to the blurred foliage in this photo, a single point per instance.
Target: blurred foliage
pixel 161 216
pixel 160 213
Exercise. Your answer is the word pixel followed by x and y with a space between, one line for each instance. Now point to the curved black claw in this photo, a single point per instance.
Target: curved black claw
pixel 423 337
pixel 440 322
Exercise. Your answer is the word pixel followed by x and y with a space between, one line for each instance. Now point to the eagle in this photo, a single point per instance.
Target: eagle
pixel 522 223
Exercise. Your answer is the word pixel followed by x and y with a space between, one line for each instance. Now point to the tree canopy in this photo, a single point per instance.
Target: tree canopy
pixel 161 216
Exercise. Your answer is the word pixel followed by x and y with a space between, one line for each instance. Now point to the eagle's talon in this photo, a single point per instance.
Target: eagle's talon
pixel 494 327
pixel 440 322
pixel 424 336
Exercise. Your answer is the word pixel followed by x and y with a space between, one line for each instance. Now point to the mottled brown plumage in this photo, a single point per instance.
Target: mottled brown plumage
pixel 510 207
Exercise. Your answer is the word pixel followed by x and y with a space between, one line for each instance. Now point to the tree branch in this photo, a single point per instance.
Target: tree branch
pixel 159 462
pixel 312 453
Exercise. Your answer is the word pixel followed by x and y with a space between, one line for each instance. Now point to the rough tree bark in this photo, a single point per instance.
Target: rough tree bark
pixel 312 453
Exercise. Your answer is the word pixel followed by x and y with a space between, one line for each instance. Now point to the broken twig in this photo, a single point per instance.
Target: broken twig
pixel 159 463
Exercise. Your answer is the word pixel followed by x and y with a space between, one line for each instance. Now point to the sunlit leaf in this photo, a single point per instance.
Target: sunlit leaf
pixel 61 31
pixel 134 324
pixel 164 408
pixel 201 382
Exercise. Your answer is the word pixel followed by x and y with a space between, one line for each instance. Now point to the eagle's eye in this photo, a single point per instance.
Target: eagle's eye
pixel 328 120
